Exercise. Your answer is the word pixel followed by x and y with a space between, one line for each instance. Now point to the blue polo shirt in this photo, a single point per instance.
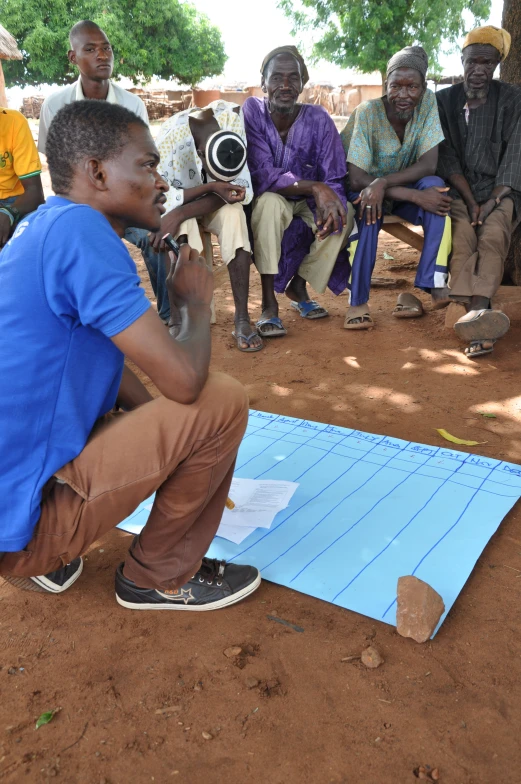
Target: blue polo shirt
pixel 67 285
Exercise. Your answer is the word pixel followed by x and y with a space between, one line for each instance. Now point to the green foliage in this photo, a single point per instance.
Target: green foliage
pixel 364 34
pixel 164 38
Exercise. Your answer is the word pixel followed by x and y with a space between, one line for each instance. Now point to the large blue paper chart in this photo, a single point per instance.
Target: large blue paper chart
pixel 368 510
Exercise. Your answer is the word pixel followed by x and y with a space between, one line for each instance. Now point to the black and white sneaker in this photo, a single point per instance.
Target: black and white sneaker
pixel 54 582
pixel 216 584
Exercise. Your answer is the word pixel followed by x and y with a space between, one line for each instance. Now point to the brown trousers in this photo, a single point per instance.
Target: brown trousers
pixel 186 454
pixel 478 255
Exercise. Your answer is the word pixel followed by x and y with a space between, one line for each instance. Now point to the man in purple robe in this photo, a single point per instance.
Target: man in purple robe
pixel 298 168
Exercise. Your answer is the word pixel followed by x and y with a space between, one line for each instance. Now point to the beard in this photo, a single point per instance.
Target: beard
pixel 473 94
pixel 281 108
pixel 405 116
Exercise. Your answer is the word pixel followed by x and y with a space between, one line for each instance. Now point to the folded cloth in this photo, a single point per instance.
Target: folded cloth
pixel 497 37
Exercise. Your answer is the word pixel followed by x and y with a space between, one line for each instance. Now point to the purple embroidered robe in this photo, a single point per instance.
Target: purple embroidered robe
pixel 313 151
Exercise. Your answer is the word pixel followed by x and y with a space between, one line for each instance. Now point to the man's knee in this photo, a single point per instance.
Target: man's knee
pixel 225 394
pixel 272 203
pixel 430 182
pixel 232 217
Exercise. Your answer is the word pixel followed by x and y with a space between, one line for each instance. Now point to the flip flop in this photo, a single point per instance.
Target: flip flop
pixel 482 350
pixel 364 321
pixel 310 309
pixel 250 349
pixel 408 306
pixel 478 325
pixel 278 333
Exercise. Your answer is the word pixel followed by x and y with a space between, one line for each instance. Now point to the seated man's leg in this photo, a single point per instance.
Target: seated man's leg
pixel 155 265
pixel 464 256
pixel 482 326
pixel 271 216
pixel 229 224
pixel 186 454
pixel 363 259
pixel 432 272
pixel 317 266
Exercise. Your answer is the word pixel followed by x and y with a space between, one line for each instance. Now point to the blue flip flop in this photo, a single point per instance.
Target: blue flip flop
pixel 250 349
pixel 278 333
pixel 307 309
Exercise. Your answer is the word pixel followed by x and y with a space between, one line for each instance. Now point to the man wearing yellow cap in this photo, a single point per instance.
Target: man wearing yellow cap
pixel 481 159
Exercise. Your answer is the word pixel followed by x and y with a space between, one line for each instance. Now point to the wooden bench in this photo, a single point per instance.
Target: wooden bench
pixel 393 225
pixel 399 228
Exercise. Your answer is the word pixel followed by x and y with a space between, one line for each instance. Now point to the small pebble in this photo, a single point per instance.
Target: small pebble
pixel 371 657
pixel 251 683
pixel 207 736
pixel 235 650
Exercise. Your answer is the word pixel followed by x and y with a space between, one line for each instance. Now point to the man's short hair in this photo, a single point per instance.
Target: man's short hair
pixel 79 28
pixel 83 130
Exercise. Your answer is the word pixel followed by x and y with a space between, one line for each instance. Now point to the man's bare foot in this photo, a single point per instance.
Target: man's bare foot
pixel 358 317
pixel 479 347
pixel 246 336
pixel 440 298
pixel 270 330
pixel 296 290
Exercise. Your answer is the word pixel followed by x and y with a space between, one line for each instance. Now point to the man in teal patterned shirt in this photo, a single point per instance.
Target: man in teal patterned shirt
pixel 391 145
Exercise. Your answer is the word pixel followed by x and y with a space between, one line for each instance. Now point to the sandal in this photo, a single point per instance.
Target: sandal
pixel 247 338
pixel 272 333
pixel 310 309
pixel 479 325
pixel 408 306
pixel 481 351
pixel 363 321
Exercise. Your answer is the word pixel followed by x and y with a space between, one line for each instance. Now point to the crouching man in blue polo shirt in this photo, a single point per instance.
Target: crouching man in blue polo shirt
pixel 71 468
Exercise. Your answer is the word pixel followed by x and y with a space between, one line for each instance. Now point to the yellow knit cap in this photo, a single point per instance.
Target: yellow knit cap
pixel 495 36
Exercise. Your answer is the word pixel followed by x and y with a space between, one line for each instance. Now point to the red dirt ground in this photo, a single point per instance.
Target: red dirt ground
pixel 137 690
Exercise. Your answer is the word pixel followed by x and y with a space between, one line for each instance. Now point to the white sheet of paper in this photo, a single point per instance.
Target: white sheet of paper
pixel 234 533
pixel 257 502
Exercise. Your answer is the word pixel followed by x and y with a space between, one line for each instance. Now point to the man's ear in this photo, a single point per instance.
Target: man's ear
pixel 263 84
pixel 71 56
pixel 97 174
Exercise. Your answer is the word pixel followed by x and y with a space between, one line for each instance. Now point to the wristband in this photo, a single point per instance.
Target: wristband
pixel 8 213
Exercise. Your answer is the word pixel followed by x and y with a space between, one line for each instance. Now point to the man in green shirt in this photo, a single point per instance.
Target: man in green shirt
pixel 391 145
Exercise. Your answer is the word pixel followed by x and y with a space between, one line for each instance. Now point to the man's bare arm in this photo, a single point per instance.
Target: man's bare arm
pixel 132 393
pixel 32 196
pixel 178 368
pixel 424 167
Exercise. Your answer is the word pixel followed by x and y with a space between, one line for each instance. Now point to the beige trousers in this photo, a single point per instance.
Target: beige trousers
pixel 272 214
pixel 229 225
pixel 478 255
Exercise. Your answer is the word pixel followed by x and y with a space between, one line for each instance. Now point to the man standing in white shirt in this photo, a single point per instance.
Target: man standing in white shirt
pixel 92 54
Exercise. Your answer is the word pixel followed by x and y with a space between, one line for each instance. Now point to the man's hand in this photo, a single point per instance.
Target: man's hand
pixel 371 201
pixel 170 224
pixel 484 211
pixel 231 194
pixel 331 215
pixel 189 281
pixel 473 211
pixel 5 228
pixel 435 200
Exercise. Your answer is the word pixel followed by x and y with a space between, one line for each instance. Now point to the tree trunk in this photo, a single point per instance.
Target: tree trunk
pixel 3 99
pixel 511 72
